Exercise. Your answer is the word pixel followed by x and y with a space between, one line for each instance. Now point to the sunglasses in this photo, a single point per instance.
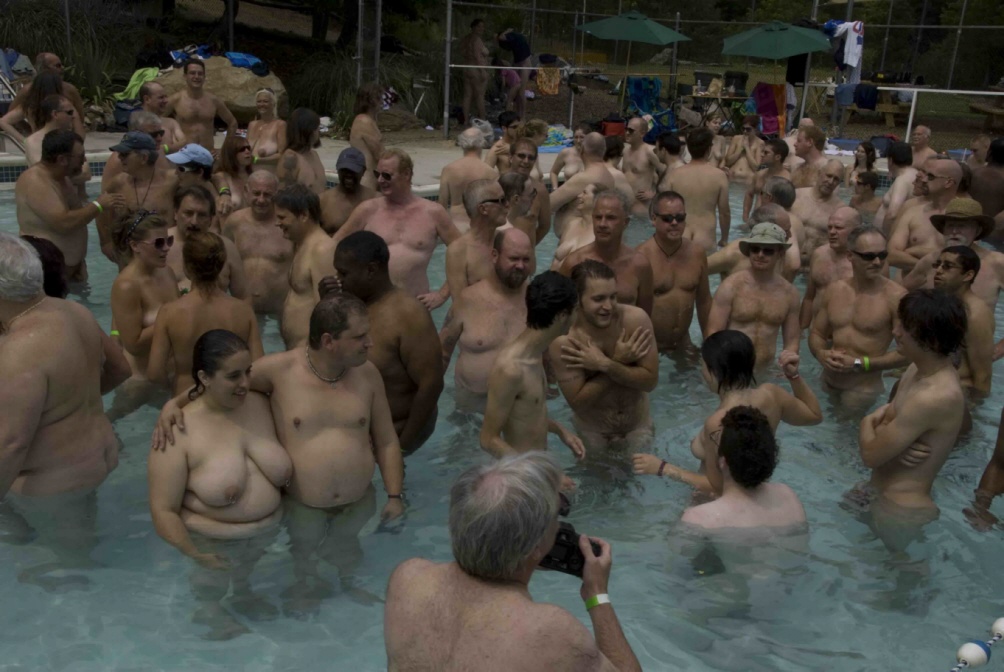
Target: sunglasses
pixel 669 219
pixel 496 201
pixel 767 251
pixel 157 134
pixel 386 176
pixel 190 168
pixel 526 157
pixel 159 243
pixel 872 256
pixel 245 148
pixel 947 265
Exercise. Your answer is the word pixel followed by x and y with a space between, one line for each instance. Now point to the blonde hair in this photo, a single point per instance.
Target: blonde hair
pixel 271 94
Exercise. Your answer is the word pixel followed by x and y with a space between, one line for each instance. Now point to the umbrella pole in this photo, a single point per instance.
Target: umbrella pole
pixel 627 64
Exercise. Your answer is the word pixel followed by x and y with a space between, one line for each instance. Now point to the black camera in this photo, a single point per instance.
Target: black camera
pixel 566 556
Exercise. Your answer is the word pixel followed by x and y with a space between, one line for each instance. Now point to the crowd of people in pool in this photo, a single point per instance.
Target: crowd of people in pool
pixel 211 242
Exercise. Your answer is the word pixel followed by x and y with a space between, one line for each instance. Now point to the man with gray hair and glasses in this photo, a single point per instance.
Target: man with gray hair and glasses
pixel 56 363
pixel 476 613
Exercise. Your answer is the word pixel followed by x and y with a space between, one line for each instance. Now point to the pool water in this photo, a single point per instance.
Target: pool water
pixel 838 600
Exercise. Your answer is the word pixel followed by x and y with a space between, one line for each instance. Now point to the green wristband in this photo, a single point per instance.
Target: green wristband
pixel 597 600
pixel 167 150
pixel 867 363
pixel 114 332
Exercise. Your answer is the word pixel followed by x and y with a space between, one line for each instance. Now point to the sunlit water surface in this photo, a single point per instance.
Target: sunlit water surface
pixel 841 601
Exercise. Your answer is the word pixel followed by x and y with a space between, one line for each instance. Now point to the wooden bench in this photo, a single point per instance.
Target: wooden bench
pixel 889 110
pixel 993 113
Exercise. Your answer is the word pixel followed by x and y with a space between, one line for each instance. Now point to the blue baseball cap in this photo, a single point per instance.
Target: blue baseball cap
pixel 135 140
pixel 192 153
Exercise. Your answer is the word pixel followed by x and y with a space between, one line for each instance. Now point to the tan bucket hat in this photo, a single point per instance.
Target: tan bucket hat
pixel 764 233
pixel 961 210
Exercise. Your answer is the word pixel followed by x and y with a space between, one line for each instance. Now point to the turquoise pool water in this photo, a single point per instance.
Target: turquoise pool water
pixel 840 602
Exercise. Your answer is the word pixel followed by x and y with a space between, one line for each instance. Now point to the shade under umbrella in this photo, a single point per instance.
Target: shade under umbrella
pixel 632 27
pixel 777 41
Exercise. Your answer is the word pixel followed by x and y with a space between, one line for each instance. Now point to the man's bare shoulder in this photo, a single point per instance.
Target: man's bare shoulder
pixel 893 290
pixel 575 258
pixel 635 317
pixel 409 312
pixel 639 260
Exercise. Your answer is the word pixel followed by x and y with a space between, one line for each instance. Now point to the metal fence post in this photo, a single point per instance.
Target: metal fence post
pixel 66 10
pixel 359 45
pixel 808 67
pixel 533 21
pixel 885 40
pixel 916 42
pixel 377 34
pixel 958 37
pixel 230 23
pixel 913 109
pixel 674 76
pixel 571 91
pixel 446 70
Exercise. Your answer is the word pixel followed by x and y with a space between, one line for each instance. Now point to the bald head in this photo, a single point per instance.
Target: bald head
pixel 848 216
pixel 511 239
pixel 264 178
pixel 947 168
pixel 471 139
pixel 594 146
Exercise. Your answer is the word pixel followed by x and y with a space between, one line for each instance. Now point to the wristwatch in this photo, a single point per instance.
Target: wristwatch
pixel 858 366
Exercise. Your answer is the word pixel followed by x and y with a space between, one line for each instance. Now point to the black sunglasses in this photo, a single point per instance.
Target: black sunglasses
pixel 766 250
pixel 872 256
pixel 496 201
pixel 669 219
pixel 387 176
pixel 527 157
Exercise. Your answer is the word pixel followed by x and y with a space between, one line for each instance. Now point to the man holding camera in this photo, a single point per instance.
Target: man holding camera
pixel 476 613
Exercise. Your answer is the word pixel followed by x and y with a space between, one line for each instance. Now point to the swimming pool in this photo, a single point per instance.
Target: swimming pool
pixel 841 603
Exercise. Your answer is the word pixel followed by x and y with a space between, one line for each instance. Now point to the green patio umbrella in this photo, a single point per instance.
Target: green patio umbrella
pixel 633 27
pixel 776 40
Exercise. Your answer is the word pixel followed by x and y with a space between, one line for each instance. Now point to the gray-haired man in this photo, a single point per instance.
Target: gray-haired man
pixel 476 612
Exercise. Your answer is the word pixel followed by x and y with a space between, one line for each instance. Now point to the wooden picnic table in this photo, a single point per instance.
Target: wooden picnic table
pixel 992 109
pixel 887 105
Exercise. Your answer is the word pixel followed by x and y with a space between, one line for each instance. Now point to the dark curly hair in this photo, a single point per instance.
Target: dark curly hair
pixel 747 444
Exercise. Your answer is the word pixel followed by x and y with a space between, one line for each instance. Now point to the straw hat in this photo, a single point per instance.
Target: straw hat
pixel 764 233
pixel 964 210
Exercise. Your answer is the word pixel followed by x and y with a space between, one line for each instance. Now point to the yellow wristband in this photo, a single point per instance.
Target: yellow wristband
pixel 597 600
pixel 867 363
pixel 166 150
pixel 114 332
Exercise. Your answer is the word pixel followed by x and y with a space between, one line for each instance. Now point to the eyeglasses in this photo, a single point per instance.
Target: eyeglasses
pixel 872 256
pixel 526 157
pixel 386 176
pixel 159 243
pixel 767 251
pixel 947 265
pixel 189 168
pixel 669 219
pixel 496 201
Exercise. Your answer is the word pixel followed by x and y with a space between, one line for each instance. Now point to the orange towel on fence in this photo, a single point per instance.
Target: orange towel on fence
pixel 548 81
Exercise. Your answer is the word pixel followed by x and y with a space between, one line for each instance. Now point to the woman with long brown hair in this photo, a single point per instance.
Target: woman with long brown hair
pixel 232 174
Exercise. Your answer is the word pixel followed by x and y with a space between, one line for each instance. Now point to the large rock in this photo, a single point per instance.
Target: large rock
pixel 236 86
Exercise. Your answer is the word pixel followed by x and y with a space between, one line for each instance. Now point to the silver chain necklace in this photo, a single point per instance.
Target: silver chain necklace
pixel 330 381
